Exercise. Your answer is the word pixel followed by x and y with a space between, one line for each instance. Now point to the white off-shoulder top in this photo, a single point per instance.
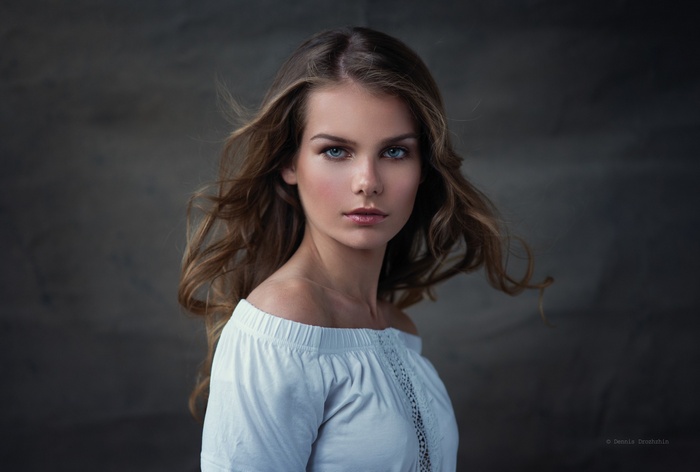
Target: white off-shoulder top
pixel 287 396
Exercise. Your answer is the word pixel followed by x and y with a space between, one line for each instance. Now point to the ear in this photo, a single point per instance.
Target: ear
pixel 289 175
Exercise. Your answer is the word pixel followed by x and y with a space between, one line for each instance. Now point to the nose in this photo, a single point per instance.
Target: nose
pixel 367 178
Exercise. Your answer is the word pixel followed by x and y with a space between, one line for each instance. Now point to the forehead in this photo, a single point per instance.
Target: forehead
pixel 349 108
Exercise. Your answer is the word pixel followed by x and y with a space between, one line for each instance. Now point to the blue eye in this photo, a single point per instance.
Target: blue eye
pixel 396 153
pixel 335 152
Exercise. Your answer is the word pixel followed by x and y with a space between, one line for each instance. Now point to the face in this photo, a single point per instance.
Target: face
pixel 358 166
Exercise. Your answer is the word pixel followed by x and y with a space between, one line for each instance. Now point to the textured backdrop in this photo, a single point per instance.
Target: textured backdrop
pixel 580 119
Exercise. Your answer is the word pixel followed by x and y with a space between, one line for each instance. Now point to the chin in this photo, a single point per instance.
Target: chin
pixel 367 243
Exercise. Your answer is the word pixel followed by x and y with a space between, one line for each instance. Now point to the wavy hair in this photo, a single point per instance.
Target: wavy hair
pixel 252 221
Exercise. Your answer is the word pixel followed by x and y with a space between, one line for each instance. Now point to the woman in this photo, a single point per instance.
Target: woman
pixel 339 203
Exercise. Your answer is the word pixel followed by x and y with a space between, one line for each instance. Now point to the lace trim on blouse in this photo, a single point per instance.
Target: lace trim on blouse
pixel 415 400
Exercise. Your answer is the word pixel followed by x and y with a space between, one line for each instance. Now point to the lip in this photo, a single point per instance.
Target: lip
pixel 366 216
pixel 366 211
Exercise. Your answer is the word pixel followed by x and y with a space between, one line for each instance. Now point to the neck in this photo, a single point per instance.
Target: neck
pixel 353 273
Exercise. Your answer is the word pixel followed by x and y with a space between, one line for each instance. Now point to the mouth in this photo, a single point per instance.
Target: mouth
pixel 366 212
pixel 366 216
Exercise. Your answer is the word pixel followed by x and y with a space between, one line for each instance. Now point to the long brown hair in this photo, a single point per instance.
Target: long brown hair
pixel 253 222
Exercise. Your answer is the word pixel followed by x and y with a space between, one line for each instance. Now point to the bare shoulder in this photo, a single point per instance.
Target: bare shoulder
pixel 398 318
pixel 290 298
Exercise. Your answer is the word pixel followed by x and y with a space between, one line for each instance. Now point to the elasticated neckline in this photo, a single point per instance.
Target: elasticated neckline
pixel 321 338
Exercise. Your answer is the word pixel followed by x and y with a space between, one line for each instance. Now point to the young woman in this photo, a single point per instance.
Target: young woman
pixel 339 203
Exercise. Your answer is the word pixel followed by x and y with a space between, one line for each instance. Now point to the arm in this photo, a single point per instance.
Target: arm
pixel 265 405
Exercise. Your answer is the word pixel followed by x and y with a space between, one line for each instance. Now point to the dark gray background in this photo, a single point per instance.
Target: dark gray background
pixel 580 119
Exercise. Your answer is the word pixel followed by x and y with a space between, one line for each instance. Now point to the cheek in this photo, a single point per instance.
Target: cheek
pixel 319 187
pixel 325 191
pixel 408 196
pixel 406 187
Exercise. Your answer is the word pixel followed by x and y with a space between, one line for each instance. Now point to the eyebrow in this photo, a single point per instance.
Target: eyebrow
pixel 338 139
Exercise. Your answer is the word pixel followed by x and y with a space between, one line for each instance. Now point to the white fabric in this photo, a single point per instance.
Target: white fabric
pixel 287 396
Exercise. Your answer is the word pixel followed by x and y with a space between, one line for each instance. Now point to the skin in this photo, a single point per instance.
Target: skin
pixel 359 150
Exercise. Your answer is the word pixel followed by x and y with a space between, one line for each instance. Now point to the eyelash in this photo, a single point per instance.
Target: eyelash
pixel 346 153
